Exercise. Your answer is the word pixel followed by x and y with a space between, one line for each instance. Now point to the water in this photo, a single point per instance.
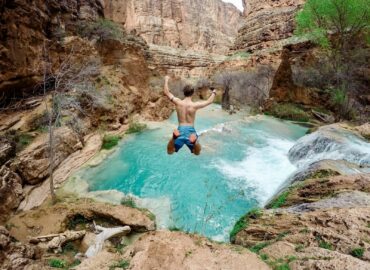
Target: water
pixel 243 162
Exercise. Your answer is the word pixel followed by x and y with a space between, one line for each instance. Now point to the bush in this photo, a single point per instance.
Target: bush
pixel 110 141
pixel 256 248
pixel 289 111
pixel 103 29
pixel 57 263
pixel 135 127
pixel 122 264
pixel 326 245
pixel 357 252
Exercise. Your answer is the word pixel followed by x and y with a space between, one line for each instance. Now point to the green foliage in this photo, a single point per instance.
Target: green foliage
pixel 128 201
pixel 326 245
pixel 57 263
pixel 110 141
pixel 103 29
pixel 357 252
pixel 339 97
pixel 289 111
pixel 279 201
pixel 135 127
pixel 256 248
pixel 264 257
pixel 243 222
pixel 174 229
pixel 122 264
pixel 319 18
pixel 283 266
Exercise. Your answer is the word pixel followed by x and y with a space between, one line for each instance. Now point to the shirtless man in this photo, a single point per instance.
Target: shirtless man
pixel 186 110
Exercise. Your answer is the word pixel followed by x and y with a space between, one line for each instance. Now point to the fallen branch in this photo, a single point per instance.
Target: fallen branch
pixel 55 242
pixel 105 234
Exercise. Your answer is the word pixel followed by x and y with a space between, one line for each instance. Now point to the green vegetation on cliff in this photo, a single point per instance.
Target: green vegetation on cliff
pixel 289 111
pixel 243 222
pixel 110 141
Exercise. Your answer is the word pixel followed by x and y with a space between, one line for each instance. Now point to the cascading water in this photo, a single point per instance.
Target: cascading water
pixel 243 163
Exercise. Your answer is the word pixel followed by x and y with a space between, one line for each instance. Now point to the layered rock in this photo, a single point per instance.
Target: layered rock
pixel 321 222
pixel 182 63
pixel 267 23
pixel 197 25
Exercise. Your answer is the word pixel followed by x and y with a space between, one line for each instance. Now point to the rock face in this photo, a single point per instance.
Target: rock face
pixel 33 163
pixel 11 192
pixel 320 222
pixel 15 255
pixel 57 218
pixel 174 250
pixel 198 25
pixel 24 29
pixel 267 23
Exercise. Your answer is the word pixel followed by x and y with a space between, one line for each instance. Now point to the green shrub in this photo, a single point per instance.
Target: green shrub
pixel 57 263
pixel 256 248
pixel 128 201
pixel 264 257
pixel 289 111
pixel 122 264
pixel 243 222
pixel 103 29
pixel 326 245
pixel 283 266
pixel 110 141
pixel 174 229
pixel 135 127
pixel 357 252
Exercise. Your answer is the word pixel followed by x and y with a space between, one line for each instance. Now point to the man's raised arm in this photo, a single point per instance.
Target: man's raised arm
pixel 202 104
pixel 166 90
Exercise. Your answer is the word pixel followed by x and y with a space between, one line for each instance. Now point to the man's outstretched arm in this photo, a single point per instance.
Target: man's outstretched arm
pixel 167 92
pixel 202 104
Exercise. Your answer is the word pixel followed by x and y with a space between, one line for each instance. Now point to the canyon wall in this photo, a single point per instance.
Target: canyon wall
pixel 201 25
pixel 267 23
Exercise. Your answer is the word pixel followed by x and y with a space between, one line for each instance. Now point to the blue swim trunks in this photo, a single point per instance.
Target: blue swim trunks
pixel 184 138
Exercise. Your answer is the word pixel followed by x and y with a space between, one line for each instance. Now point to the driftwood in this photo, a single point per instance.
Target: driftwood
pixel 55 242
pixel 323 117
pixel 105 234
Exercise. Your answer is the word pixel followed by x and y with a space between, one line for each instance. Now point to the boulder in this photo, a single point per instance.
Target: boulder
pixel 33 163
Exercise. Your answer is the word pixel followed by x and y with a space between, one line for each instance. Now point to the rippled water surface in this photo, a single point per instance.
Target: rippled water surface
pixel 244 160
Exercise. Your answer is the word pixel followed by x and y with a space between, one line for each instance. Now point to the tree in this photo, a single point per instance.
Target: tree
pixel 62 87
pixel 342 29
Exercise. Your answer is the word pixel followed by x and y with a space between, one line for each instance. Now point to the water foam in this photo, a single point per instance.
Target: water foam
pixel 259 172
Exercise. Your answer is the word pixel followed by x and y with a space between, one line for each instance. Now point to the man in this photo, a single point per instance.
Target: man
pixel 186 110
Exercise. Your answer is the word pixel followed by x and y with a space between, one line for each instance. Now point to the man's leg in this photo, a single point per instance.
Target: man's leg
pixel 171 147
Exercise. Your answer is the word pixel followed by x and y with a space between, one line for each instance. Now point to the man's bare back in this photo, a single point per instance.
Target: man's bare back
pixel 186 111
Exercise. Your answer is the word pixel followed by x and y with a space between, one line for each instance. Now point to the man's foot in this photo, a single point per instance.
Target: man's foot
pixel 197 149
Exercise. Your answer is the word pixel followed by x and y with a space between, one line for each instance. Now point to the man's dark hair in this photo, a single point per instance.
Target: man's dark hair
pixel 188 91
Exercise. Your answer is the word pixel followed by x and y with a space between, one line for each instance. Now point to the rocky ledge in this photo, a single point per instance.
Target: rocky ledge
pixel 321 219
